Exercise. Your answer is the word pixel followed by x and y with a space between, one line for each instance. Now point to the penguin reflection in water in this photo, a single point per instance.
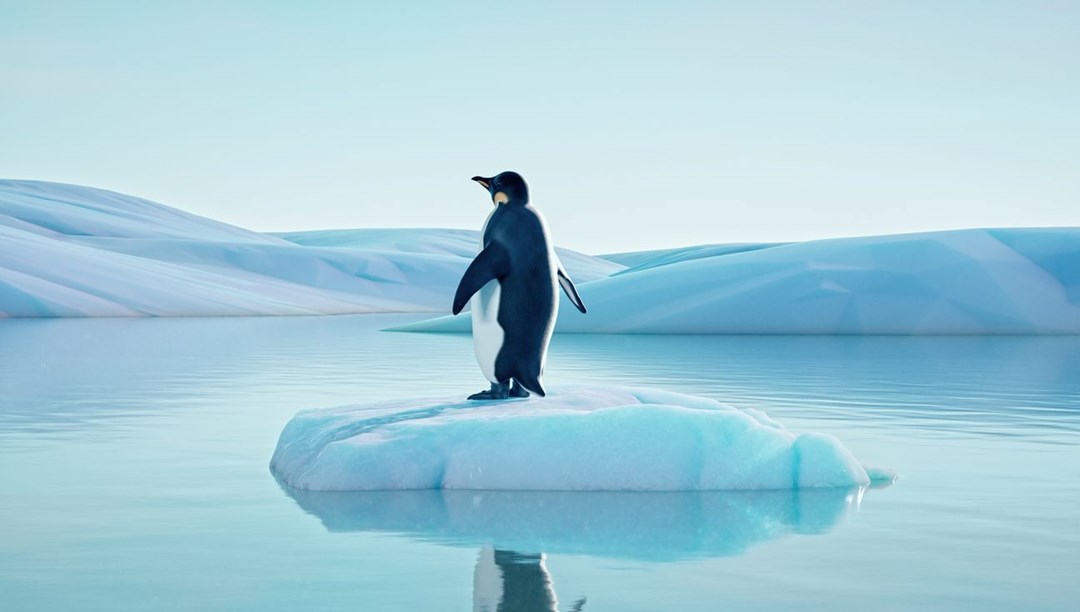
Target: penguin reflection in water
pixel 512 285
pixel 509 581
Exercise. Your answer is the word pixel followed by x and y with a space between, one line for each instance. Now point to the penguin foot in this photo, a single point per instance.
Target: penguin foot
pixel 498 391
pixel 518 391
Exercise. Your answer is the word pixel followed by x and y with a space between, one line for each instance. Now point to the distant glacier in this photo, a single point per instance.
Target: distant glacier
pixel 70 251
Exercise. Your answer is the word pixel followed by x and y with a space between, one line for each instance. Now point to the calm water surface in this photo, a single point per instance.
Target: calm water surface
pixel 134 455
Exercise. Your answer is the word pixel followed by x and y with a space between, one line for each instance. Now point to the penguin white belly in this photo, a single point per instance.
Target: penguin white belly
pixel 488 335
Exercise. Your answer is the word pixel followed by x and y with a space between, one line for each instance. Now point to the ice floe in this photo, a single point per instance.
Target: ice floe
pixel 576 439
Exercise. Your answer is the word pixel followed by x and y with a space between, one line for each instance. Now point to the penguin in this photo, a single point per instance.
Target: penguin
pixel 512 285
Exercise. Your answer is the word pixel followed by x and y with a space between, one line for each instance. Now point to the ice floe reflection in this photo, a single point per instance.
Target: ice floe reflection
pixel 644 526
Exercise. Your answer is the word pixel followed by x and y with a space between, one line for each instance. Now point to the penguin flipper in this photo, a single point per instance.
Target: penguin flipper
pixel 490 264
pixel 571 291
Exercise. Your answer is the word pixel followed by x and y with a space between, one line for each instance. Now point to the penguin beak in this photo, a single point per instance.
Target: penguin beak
pixel 484 182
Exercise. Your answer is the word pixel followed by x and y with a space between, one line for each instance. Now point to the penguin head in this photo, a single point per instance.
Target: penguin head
pixel 505 188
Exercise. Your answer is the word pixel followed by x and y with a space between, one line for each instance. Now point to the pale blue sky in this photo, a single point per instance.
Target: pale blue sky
pixel 638 125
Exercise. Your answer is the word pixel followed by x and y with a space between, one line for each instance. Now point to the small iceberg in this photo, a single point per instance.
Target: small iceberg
pixel 576 439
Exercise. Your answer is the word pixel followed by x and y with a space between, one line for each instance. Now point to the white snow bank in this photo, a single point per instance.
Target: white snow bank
pixel 653 526
pixel 76 251
pixel 588 438
pixel 1008 281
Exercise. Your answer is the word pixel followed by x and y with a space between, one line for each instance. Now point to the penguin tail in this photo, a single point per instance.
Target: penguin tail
pixel 531 382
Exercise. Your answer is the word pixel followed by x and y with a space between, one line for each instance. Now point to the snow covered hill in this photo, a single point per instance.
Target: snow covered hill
pixel 70 251
pixel 1004 281
pixel 77 251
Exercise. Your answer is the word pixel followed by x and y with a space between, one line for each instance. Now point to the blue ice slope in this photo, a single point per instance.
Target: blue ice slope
pixel 643 260
pixel 1006 281
pixel 579 439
